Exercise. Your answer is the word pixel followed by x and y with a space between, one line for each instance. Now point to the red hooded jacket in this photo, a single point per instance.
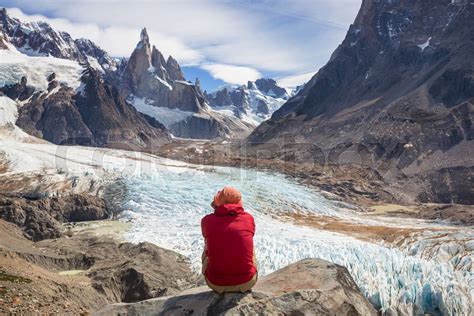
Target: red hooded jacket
pixel 228 233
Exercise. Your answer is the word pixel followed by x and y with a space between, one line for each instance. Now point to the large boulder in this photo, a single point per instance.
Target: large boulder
pixel 310 286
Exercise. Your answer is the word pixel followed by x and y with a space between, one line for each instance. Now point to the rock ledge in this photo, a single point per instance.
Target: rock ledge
pixel 310 286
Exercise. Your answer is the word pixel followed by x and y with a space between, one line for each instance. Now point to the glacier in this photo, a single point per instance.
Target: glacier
pixel 423 275
pixel 428 272
pixel 14 65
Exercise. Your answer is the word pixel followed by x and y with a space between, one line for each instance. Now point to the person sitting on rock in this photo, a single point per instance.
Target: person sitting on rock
pixel 228 260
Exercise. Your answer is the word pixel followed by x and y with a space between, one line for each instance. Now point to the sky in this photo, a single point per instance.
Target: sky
pixel 220 41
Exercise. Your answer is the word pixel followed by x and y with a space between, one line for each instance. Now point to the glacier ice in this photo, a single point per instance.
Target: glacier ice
pixel 165 200
pixel 427 274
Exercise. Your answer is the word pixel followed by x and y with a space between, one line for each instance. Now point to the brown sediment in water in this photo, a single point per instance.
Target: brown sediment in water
pixel 373 233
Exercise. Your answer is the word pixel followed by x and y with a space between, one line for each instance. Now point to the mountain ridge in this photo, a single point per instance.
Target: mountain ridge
pixel 396 95
pixel 40 39
pixel 255 101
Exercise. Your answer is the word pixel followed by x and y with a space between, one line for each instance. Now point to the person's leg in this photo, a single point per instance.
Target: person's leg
pixel 205 260
pixel 245 287
pixel 250 284
pixel 222 289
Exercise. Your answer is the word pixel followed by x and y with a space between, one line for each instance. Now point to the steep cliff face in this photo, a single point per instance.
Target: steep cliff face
pixel 397 94
pixel 392 48
pixel 158 88
pixel 146 74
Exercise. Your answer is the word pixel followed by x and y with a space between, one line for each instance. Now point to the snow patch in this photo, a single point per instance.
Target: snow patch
pixel 94 63
pixel 184 82
pixel 151 69
pixel 14 65
pixel 8 111
pixel 163 115
pixel 164 82
pixel 8 116
pixel 425 44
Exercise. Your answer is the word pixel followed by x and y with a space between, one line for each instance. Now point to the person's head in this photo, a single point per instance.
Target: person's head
pixel 227 195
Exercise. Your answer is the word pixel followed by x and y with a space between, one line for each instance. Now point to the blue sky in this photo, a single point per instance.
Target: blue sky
pixel 219 41
pixel 208 82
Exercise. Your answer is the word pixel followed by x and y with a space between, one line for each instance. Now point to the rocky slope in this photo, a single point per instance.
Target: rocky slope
pixel 41 217
pixel 308 287
pixel 83 272
pixel 254 102
pixel 397 95
pixel 95 115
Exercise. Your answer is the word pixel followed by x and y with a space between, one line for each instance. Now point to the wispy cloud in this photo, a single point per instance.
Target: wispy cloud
pixel 293 81
pixel 232 74
pixel 277 37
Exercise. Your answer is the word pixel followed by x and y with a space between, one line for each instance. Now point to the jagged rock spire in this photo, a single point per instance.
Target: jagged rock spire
pixel 144 36
pixel 158 62
pixel 174 70
pixel 144 40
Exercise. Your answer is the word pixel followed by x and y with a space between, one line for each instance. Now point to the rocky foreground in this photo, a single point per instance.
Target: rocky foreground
pixel 47 267
pixel 82 273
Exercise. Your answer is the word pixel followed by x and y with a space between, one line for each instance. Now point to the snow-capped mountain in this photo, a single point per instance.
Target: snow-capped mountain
pixel 60 87
pixel 43 61
pixel 157 87
pixel 254 102
pixel 146 74
pixel 40 39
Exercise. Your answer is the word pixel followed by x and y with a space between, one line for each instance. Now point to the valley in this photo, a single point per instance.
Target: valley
pixel 362 175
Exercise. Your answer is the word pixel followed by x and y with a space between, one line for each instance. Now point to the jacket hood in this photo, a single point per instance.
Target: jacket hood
pixel 229 209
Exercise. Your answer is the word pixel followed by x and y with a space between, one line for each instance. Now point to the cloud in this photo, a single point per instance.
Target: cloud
pixel 277 38
pixel 293 81
pixel 232 74
pixel 118 41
